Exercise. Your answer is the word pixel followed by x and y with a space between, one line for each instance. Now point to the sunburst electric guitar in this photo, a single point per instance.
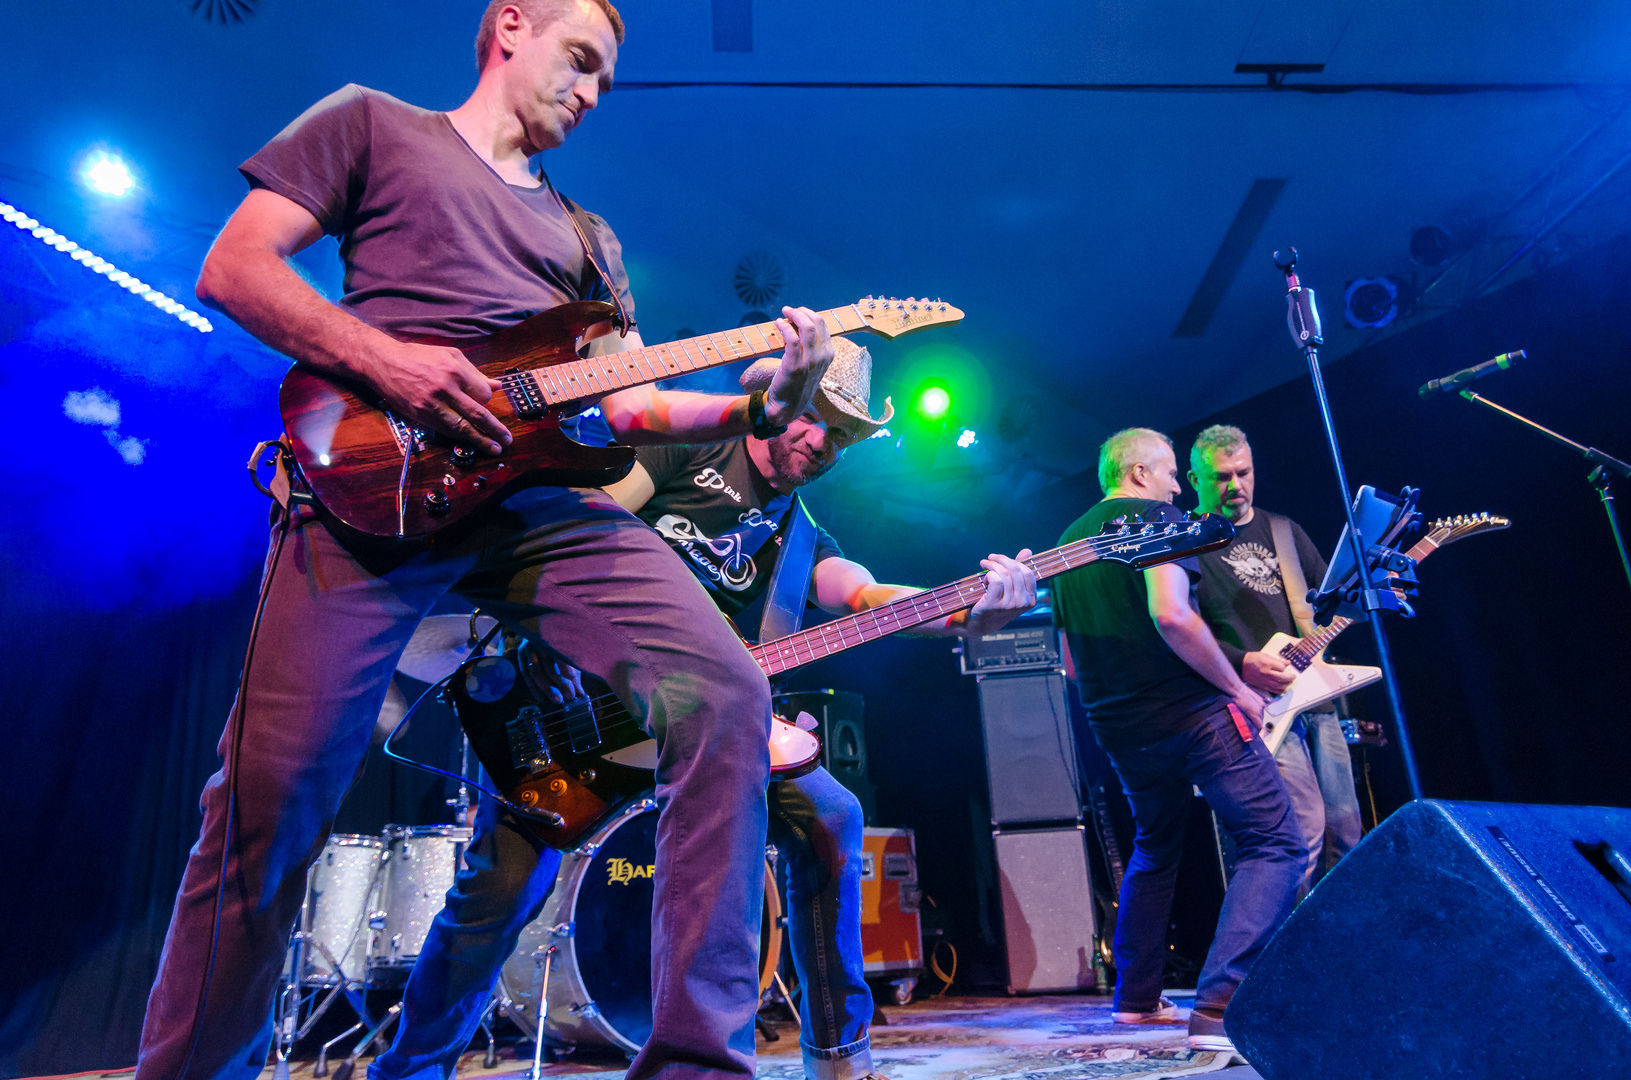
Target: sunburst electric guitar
pixel 374 475
pixel 1318 680
pixel 566 768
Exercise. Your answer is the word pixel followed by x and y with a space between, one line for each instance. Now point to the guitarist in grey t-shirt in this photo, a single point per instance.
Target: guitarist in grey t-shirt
pixel 1245 600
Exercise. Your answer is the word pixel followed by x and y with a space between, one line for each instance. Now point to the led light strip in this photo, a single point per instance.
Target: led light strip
pixel 52 238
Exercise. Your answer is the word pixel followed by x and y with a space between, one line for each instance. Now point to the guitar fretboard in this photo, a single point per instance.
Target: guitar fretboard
pixel 794 650
pixel 593 376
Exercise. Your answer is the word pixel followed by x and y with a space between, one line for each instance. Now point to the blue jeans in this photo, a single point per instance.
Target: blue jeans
pixel 814 821
pixel 1318 772
pixel 567 567
pixel 1239 781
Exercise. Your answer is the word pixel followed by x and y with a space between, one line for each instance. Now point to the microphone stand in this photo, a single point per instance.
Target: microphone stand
pixel 1304 320
pixel 1604 466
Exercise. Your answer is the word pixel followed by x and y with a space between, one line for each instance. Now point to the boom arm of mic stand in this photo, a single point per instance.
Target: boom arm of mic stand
pixel 1598 478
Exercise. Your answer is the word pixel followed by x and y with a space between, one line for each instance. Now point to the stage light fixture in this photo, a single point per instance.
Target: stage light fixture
pixel 106 174
pixel 933 402
pixel 53 239
pixel 967 439
pixel 1370 303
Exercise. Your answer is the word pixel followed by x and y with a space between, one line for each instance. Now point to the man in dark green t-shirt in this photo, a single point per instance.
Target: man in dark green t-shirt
pixel 1173 715
pixel 1245 601
pixel 725 508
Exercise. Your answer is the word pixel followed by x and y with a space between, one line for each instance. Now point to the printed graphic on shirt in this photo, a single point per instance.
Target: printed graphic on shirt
pixel 1256 567
pixel 728 558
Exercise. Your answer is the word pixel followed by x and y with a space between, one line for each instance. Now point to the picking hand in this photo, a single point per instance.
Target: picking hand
pixel 809 351
pixel 1010 590
pixel 435 387
pixel 1267 674
pixel 551 677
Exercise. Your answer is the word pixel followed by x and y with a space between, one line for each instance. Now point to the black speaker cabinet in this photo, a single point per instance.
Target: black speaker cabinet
pixel 1465 940
pixel 1047 910
pixel 841 726
pixel 1030 754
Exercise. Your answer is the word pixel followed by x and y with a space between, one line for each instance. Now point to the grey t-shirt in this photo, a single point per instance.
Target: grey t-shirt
pixel 434 242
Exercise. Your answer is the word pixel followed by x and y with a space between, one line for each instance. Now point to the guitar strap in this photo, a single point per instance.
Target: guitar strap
pixel 1291 573
pixel 790 580
pixel 592 251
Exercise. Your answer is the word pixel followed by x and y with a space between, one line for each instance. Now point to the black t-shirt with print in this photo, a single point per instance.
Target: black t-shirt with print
pixel 710 504
pixel 1242 597
pixel 1136 689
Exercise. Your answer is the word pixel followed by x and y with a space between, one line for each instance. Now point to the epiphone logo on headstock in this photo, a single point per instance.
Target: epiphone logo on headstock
pixel 622 871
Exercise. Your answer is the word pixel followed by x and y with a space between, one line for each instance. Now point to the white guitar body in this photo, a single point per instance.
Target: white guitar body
pixel 1316 684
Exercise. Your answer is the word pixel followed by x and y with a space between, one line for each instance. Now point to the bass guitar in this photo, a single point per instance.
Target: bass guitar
pixel 1319 680
pixel 376 476
pixel 566 768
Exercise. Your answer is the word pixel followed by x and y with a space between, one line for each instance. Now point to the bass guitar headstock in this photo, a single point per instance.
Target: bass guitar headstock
pixel 891 318
pixel 1142 544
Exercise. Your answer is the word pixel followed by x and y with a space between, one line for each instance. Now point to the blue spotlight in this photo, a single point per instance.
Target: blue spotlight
pixel 106 174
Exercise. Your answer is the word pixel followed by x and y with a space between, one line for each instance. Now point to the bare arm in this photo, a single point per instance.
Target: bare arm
pixel 634 490
pixel 247 275
pixel 642 415
pixel 844 587
pixel 1182 628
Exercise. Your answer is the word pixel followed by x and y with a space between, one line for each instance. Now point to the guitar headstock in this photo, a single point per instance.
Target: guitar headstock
pixel 890 318
pixel 1142 544
pixel 1449 530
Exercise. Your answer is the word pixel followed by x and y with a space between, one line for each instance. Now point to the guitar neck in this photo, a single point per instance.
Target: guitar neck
pixel 596 375
pixel 1314 643
pixel 795 650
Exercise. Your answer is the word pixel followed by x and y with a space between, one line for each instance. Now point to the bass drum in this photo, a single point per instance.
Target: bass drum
pixel 600 978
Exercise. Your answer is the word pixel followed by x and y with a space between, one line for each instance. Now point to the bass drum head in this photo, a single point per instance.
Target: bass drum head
pixel 600 978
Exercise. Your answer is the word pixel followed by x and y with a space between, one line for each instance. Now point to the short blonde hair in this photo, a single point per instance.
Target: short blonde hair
pixel 1122 451
pixel 540 13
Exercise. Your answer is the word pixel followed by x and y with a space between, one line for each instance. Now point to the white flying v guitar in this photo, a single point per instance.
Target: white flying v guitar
pixel 1319 681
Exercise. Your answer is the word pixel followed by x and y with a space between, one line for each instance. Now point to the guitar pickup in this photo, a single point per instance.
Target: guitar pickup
pixel 525 395
pixel 527 747
pixel 582 729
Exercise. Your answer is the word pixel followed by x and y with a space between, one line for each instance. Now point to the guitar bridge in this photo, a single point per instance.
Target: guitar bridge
pixel 527 747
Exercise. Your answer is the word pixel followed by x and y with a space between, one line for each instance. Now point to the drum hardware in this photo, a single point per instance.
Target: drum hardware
pixel 321 1068
pixel 543 959
pixel 489 1060
pixel 349 1065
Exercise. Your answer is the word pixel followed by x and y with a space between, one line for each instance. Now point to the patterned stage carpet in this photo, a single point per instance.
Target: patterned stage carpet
pixel 960 1038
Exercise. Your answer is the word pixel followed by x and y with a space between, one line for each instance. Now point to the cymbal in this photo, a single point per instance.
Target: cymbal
pixel 440 645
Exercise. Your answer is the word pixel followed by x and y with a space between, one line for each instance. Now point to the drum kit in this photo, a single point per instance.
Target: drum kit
pixel 580 974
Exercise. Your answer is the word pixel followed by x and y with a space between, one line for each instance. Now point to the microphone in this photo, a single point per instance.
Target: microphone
pixel 1451 383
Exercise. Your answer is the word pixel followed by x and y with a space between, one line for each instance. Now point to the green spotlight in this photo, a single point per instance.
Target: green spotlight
pixel 932 402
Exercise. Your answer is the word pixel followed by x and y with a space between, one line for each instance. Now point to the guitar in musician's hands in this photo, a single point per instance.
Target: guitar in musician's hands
pixel 1010 591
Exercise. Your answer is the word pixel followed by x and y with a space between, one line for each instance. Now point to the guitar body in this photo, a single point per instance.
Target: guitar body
pixel 1316 684
pixel 351 451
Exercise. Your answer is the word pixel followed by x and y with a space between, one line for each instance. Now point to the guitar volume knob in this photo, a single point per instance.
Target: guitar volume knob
pixel 464 456
pixel 436 502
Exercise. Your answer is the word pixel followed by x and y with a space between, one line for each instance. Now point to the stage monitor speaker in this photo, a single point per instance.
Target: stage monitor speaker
pixel 1030 755
pixel 841 726
pixel 1047 909
pixel 1465 940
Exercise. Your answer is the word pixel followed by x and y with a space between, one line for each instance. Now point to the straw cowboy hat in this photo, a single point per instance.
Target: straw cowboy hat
pixel 846 388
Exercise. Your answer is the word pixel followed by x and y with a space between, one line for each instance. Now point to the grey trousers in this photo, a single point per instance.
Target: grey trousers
pixel 563 566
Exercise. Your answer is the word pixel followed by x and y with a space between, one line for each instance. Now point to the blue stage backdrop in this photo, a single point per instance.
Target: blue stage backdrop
pixel 129 575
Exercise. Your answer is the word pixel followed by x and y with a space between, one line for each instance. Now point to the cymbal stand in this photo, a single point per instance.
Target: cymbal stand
pixel 1603 468
pixel 543 958
pixel 1303 319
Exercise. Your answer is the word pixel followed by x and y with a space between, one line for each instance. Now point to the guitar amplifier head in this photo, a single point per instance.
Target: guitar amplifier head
pixel 1022 645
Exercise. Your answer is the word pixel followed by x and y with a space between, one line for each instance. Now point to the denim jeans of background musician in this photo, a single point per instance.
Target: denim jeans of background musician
pixel 1314 762
pixel 815 823
pixel 1240 783
pixel 567 567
